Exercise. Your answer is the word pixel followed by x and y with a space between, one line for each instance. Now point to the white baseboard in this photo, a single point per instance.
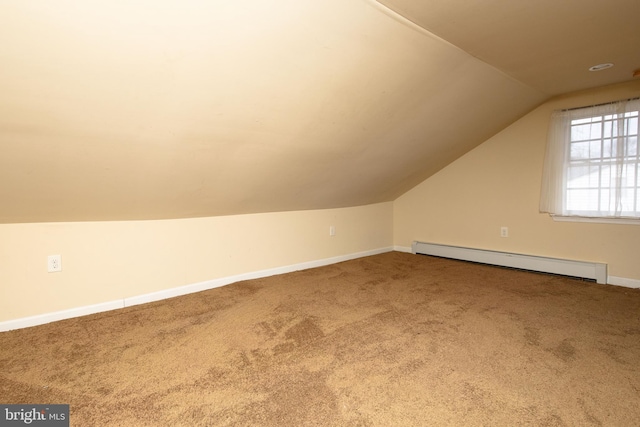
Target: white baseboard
pixel 41 319
pixel 216 283
pixel 622 281
pixel 585 269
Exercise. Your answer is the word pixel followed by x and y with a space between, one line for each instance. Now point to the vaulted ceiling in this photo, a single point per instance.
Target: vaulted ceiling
pixel 113 110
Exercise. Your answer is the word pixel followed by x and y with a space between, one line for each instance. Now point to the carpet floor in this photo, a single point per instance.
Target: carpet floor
pixel 389 340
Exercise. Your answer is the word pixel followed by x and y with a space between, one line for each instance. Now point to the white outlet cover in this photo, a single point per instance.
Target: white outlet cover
pixel 54 263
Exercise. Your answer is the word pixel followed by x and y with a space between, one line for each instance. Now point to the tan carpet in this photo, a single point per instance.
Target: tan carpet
pixel 389 340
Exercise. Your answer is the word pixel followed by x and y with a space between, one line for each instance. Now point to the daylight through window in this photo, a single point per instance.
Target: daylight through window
pixel 592 164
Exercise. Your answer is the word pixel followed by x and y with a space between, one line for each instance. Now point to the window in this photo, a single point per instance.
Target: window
pixel 592 164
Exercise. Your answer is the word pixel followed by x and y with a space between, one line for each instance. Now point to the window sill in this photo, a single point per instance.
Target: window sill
pixel 626 221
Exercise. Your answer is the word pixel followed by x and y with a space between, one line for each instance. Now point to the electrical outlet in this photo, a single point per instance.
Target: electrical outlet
pixel 504 231
pixel 54 263
pixel 332 230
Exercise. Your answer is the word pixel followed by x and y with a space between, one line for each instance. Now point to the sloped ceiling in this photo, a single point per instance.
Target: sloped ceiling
pixel 546 44
pixel 113 110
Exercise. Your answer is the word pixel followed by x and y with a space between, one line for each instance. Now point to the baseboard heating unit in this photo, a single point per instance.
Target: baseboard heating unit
pixel 587 270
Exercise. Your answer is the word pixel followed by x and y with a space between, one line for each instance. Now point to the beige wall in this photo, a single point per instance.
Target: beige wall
pixel 107 261
pixel 498 184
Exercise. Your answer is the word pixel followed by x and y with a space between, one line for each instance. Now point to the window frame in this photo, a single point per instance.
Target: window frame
pixel 577 147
